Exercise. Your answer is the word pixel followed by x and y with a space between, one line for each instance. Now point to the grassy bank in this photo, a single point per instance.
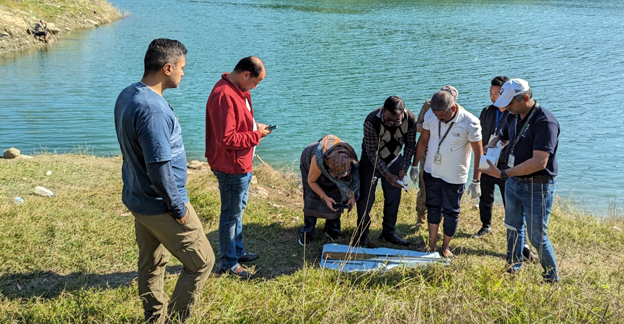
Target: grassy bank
pixel 62 16
pixel 72 259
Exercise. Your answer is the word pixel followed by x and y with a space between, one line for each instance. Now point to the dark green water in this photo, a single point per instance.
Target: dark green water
pixel 329 63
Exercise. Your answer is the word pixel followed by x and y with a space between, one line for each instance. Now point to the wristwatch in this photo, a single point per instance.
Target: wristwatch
pixel 476 180
pixel 503 175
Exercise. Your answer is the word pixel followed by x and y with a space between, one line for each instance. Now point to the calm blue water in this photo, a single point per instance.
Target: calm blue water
pixel 329 63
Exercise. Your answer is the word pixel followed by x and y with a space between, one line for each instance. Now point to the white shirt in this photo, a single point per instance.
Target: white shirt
pixel 255 126
pixel 455 149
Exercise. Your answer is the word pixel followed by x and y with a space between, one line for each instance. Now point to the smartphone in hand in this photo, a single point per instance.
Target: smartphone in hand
pixel 340 205
pixel 272 127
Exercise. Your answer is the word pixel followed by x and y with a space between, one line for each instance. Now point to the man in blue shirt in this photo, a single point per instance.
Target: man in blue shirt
pixel 154 177
pixel 531 138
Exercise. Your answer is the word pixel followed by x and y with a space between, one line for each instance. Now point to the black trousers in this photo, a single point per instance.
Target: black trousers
pixel 486 201
pixel 392 196
pixel 443 199
pixel 309 224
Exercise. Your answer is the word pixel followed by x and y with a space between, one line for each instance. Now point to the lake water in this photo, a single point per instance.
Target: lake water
pixel 329 63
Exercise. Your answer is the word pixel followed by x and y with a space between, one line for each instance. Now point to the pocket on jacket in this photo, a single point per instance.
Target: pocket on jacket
pixel 240 158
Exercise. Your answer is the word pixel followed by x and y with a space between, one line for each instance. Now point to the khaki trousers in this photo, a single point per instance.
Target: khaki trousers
pixel 158 237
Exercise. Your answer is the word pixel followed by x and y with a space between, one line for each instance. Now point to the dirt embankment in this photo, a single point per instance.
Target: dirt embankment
pixel 17 17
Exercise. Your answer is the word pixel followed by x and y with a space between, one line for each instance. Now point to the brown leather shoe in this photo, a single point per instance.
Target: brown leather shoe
pixel 394 239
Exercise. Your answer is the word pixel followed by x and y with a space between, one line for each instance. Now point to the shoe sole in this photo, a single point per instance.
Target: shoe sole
pixel 331 238
pixel 394 243
pixel 482 235
pixel 247 260
pixel 232 273
pixel 301 243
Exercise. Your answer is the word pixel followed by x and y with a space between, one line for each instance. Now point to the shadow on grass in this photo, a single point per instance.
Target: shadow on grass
pixel 280 252
pixel 48 284
pixel 478 252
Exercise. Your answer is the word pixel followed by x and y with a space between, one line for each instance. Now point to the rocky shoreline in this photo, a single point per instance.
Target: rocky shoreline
pixel 62 16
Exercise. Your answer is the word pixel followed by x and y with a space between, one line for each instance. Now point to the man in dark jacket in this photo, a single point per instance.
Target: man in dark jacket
pixel 492 118
pixel 387 130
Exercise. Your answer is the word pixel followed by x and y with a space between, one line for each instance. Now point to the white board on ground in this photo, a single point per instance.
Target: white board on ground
pixel 356 259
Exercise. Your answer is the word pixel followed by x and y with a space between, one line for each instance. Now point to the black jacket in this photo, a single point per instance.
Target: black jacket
pixel 488 127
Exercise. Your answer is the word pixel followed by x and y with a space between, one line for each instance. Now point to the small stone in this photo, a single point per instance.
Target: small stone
pixel 275 205
pixel 258 192
pixel 92 22
pixel 195 165
pixel 11 153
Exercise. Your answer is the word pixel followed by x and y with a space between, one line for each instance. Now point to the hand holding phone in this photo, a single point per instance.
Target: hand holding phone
pixel 272 127
pixel 340 205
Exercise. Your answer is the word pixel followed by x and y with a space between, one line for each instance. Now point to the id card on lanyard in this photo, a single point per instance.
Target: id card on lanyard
pixel 437 158
pixel 512 157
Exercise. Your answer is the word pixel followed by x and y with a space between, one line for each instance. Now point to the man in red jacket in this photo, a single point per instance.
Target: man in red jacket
pixel 231 137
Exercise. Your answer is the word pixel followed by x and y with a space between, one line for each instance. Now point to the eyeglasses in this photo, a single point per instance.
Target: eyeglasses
pixel 393 121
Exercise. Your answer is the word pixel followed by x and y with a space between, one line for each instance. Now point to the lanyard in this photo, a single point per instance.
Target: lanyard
pixel 498 120
pixel 443 138
pixel 524 128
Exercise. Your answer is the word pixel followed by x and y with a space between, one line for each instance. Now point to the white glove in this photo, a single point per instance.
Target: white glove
pixel 474 190
pixel 414 174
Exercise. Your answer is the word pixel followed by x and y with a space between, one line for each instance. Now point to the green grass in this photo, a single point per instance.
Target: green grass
pixel 72 259
pixel 51 10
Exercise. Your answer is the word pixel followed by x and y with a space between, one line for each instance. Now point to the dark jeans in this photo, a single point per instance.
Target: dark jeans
pixel 443 198
pixel 392 197
pixel 309 223
pixel 488 185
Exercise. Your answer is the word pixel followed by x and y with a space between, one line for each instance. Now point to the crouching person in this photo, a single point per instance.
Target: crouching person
pixel 331 183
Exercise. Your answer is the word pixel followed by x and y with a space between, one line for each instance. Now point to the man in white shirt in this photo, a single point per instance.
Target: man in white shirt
pixel 450 133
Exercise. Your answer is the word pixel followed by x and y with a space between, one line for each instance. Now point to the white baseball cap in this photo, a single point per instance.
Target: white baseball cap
pixel 510 89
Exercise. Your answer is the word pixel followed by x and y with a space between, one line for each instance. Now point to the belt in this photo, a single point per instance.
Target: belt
pixel 535 179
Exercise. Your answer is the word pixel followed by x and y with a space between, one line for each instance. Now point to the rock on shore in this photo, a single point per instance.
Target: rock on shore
pixel 61 16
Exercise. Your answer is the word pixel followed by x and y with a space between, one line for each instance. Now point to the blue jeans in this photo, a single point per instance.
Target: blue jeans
pixel 532 202
pixel 234 189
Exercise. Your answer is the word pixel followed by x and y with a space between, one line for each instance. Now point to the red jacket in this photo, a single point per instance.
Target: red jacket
pixel 230 137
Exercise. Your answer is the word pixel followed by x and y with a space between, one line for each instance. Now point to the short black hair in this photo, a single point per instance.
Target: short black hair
pixel 251 64
pixel 160 52
pixel 442 101
pixel 499 80
pixel 394 105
